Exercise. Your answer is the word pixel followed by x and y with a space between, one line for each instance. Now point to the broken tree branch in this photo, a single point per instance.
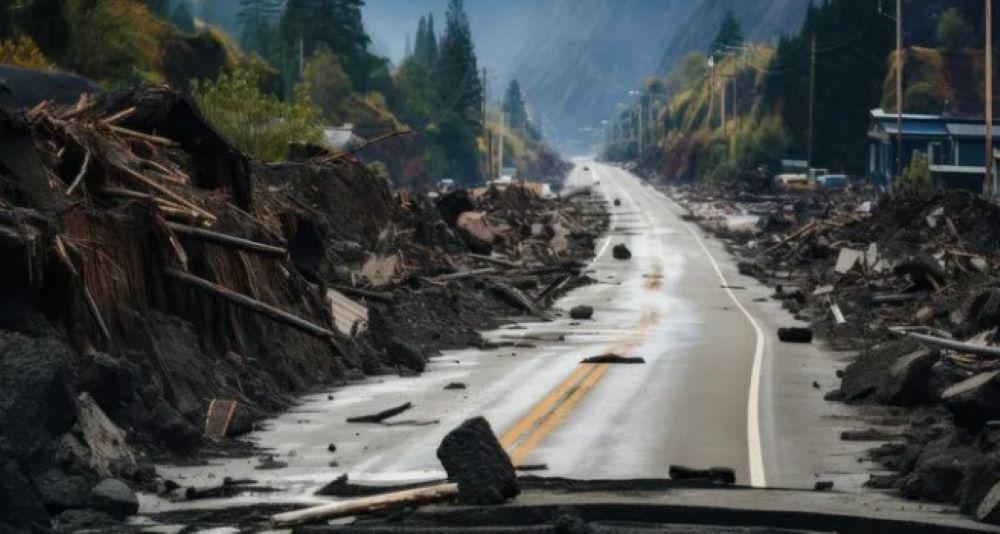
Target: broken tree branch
pixel 79 175
pixel 365 505
pixel 96 312
pixel 144 136
pixel 945 343
pixel 228 240
pixel 381 416
pixel 168 193
pixel 118 116
pixel 250 303
pixel 496 261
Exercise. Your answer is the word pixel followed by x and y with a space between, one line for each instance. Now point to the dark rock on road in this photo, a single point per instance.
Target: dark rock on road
pixel 473 457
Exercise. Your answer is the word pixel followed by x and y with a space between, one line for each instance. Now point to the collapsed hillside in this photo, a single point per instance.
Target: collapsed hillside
pixel 161 291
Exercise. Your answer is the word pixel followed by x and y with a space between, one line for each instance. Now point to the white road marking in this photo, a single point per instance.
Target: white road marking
pixel 755 453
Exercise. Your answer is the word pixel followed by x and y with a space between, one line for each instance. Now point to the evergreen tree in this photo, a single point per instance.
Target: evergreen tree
pixel 182 19
pixel 432 41
pixel 849 78
pixel 256 19
pixel 420 43
pixel 514 108
pixel 730 35
pixel 460 90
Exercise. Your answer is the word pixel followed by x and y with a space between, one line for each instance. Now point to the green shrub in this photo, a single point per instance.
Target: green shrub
pixel 257 123
pixel 916 178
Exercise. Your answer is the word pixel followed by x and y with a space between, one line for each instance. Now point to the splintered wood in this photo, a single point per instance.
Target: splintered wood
pixel 217 419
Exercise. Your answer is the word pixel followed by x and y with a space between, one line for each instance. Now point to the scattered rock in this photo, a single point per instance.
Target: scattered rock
pixel 621 252
pixel 455 385
pixel 581 312
pixel 331 448
pixel 473 457
pixel 795 334
pixel 823 485
pixel 476 232
pixel 381 416
pixel 618 202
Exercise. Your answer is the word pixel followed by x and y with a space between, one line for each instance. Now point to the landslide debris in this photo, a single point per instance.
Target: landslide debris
pixel 160 291
pixel 911 284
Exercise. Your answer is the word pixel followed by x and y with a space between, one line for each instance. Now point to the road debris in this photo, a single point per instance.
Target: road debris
pixel 862 278
pixel 473 458
pixel 188 290
pixel 795 334
pixel 581 312
pixel 613 358
pixel 381 416
pixel 718 475
pixel 621 252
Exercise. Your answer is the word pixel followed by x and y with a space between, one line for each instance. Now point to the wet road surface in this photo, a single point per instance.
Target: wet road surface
pixel 717 388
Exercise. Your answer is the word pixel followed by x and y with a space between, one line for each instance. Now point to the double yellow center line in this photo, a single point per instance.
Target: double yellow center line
pixel 549 412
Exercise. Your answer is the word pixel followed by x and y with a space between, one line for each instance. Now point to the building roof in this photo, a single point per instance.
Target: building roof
pixel 341 137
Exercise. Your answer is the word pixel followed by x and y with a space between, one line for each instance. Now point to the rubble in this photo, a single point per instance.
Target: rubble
pixel 865 270
pixel 161 290
pixel 581 312
pixel 381 416
pixel 795 334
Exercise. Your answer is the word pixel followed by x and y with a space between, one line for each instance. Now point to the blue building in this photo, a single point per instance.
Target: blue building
pixel 954 147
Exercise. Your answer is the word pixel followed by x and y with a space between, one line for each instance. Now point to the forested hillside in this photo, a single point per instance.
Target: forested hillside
pixel 282 72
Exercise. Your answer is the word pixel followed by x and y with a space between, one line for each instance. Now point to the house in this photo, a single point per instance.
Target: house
pixel 954 147
pixel 341 138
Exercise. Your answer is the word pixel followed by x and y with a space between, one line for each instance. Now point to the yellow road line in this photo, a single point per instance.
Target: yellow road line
pixel 549 424
pixel 543 407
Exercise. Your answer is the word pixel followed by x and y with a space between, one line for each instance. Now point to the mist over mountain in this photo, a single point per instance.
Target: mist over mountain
pixel 576 59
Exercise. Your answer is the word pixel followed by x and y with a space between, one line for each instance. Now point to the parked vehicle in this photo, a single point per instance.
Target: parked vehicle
pixel 832 182
pixel 792 181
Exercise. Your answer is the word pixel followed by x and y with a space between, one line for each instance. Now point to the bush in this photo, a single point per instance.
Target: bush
pixel 111 40
pixel 329 85
pixel 257 123
pixel 916 178
pixel 24 53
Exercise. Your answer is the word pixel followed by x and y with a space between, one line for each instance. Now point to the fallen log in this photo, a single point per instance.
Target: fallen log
pixel 380 416
pixel 945 343
pixel 249 303
pixel 228 240
pixel 144 136
pixel 364 505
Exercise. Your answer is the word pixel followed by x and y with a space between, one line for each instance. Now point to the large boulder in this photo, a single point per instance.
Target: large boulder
pixel 473 457
pixel 477 233
pixel 907 383
pixel 113 496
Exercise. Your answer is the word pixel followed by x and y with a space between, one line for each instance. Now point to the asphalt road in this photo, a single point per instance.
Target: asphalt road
pixel 717 388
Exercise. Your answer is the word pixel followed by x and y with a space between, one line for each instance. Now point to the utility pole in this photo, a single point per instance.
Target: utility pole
pixel 812 101
pixel 711 89
pixel 899 87
pixel 722 106
pixel 988 162
pixel 302 57
pixel 500 139
pixel 640 129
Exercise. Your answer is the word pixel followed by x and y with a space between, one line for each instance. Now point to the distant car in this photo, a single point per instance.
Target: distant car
pixel 792 181
pixel 832 182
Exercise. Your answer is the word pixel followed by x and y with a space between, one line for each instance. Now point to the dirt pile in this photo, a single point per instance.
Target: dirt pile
pixel 911 283
pixel 160 291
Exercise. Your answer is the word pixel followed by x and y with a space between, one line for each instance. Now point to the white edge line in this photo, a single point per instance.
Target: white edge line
pixel 756 456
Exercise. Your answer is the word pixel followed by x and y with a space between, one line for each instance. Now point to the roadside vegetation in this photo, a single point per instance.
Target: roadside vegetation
pixel 766 92
pixel 289 69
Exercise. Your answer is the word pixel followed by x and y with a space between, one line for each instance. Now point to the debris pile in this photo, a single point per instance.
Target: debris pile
pixel 912 283
pixel 161 291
